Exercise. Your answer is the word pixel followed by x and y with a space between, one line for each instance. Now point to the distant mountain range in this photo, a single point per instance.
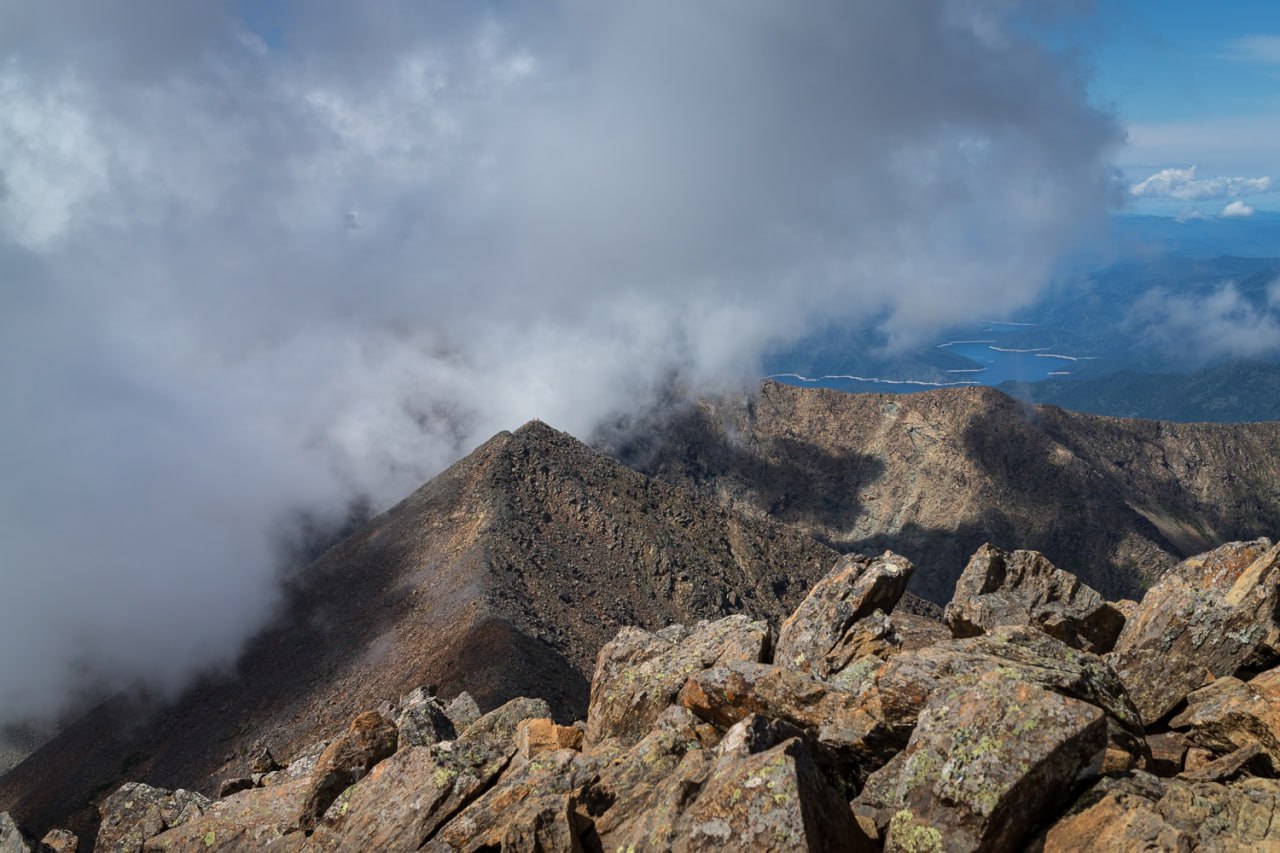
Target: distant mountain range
pixel 1235 392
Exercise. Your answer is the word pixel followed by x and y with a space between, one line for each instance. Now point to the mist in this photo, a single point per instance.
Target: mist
pixel 259 259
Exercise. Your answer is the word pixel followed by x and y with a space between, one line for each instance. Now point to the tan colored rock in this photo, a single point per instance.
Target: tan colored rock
pixel 260 818
pixel 986 760
pixel 369 739
pixel 405 799
pixel 138 812
pixel 1024 588
pixel 1197 757
pixel 534 737
pixel 264 762
pixel 1206 619
pixel 638 674
pixel 1229 714
pixel 59 841
pixel 531 808
pixel 1251 760
pixel 773 800
pixel 227 787
pixel 1141 812
pixel 854 590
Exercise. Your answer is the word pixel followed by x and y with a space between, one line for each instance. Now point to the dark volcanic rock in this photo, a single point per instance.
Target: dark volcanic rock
pixel 1024 588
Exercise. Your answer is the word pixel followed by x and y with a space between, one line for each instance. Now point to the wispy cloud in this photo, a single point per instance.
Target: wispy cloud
pixel 1223 323
pixel 1183 184
pixel 1260 49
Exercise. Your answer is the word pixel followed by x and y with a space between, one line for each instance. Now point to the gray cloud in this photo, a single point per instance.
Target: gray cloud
pixel 255 266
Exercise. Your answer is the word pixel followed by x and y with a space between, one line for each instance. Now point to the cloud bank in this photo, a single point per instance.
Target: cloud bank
pixel 1202 328
pixel 1184 185
pixel 256 265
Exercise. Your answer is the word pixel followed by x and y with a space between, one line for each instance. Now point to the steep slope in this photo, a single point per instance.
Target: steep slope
pixel 935 475
pixel 502 576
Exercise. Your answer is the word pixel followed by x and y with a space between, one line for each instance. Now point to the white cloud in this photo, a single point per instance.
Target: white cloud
pixel 1221 324
pixel 241 278
pixel 1237 210
pixel 1184 185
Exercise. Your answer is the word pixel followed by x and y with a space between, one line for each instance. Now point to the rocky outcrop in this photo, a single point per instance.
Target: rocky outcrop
pixel 714 737
pixel 826 632
pixel 136 813
pixel 1209 617
pixel 1024 588
pixel 13 839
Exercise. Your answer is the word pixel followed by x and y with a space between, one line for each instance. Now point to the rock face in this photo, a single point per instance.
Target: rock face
pixel 934 475
pixel 1024 588
pixel 714 737
pixel 1210 616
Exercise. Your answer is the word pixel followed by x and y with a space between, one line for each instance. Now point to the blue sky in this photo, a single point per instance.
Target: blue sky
pixel 1196 84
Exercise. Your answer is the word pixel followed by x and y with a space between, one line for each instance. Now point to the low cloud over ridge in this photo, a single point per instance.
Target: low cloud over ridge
pixel 259 265
pixel 1184 185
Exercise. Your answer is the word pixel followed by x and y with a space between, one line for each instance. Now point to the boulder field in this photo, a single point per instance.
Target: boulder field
pixel 1035 716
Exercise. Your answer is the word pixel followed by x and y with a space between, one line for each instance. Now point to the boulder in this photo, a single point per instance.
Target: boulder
pixel 405 799
pixel 250 820
pixel 812 638
pixel 58 841
pixel 138 812
pixel 986 761
pixel 462 711
pixel 264 762
pixel 638 674
pixel 13 839
pixel 1229 713
pixel 1208 617
pixel 369 739
pixel 772 800
pixel 1024 588
pixel 1141 812
pixel 235 785
pixel 423 720
pixel 531 808
pixel 534 737
pixel 1250 760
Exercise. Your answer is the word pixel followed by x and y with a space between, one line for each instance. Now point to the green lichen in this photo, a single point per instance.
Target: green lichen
pixel 209 838
pixel 909 836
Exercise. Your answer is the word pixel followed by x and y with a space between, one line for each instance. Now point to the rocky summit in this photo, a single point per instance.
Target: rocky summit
pixel 544 648
pixel 853 728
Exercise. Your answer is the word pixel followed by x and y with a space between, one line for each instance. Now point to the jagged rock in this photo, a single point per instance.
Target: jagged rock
pixel 773 800
pixel 1230 713
pixel 423 721
pixel 369 739
pixel 1024 588
pixel 13 839
pixel 264 762
pixel 138 812
pixel 917 632
pixel 986 761
pixel 235 785
pixel 530 809
pixel 1250 760
pixel 58 841
pixel 1207 618
pixel 643 789
pixel 405 799
pixel 1141 812
pixel 300 765
pixel 462 711
pixel 853 590
pixel 534 737
pixel 250 820
pixel 638 674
